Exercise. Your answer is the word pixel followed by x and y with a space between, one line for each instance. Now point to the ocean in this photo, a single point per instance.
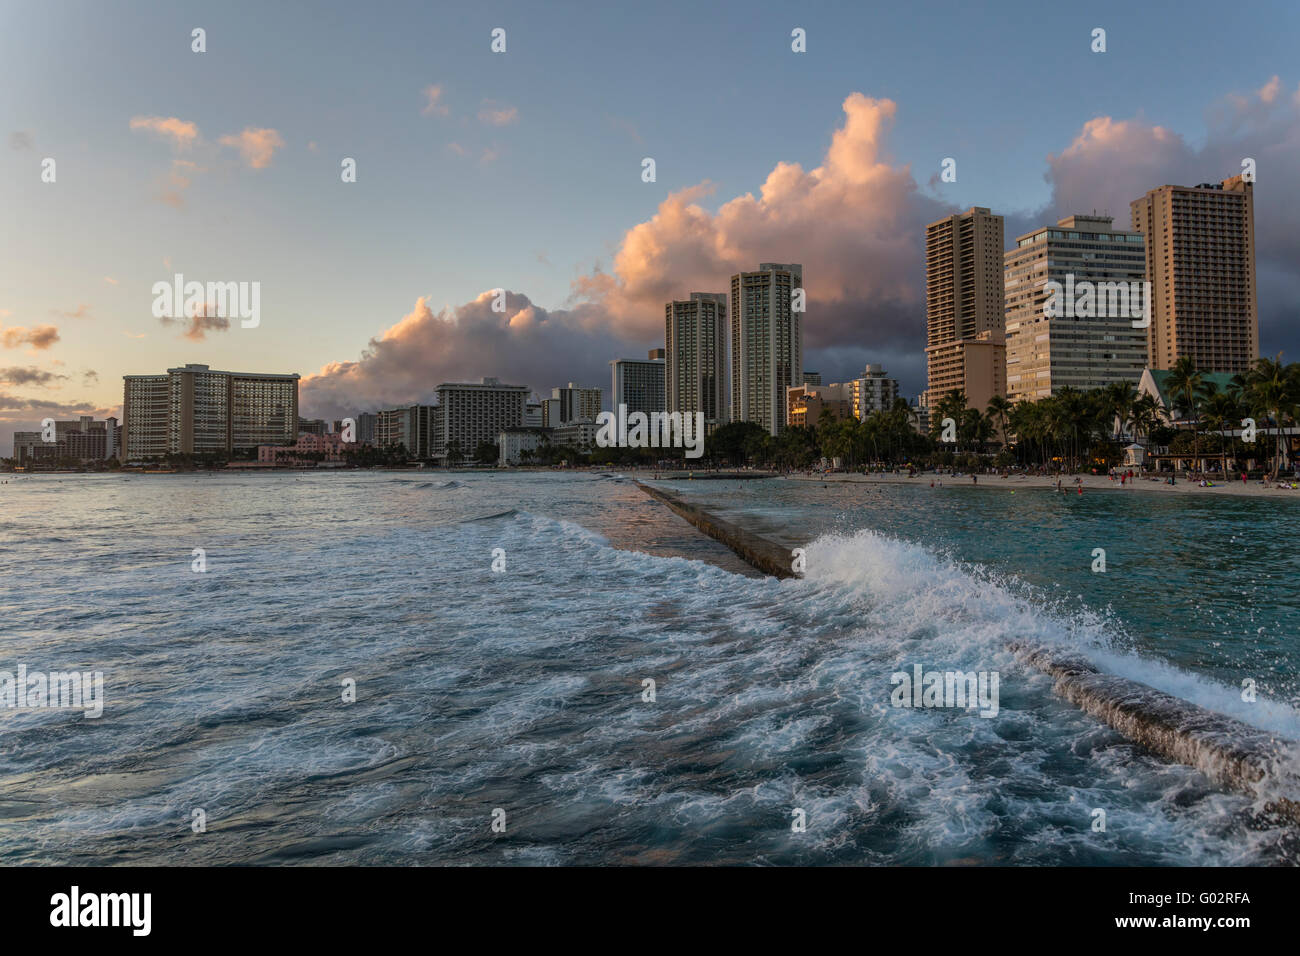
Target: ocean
pixel 499 632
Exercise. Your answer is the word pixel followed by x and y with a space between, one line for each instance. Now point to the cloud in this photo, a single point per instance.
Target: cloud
pixel 256 145
pixel 433 105
pixel 856 221
pixel 182 133
pixel 82 312
pixel 199 325
pixel 525 345
pixel 28 375
pixel 110 280
pixel 21 139
pixel 626 126
pixel 89 376
pixel 495 115
pixel 40 337
pixel 1112 161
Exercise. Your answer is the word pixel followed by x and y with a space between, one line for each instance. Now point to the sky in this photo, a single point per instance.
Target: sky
pixel 522 170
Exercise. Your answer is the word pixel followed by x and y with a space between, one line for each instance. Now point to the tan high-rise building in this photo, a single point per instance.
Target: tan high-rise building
pixel 1082 349
pixel 695 373
pixel 195 410
pixel 964 346
pixel 1200 261
pixel 766 342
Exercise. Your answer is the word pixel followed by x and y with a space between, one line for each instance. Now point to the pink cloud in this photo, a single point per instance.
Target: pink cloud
pixel 433 105
pixel 256 145
pixel 182 133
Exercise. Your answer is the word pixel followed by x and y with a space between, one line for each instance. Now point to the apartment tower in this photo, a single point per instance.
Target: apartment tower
pixel 1046 353
pixel 1200 260
pixel 196 410
pixel 695 369
pixel 766 342
pixel 638 383
pixel 964 344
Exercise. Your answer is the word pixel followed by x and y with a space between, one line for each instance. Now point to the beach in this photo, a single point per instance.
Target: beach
pixel 1090 483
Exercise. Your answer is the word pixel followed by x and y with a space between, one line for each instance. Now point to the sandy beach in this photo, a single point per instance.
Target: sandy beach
pixel 1090 483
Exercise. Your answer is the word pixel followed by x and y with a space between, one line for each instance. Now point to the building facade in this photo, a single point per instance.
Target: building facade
pixel 195 410
pixel 83 439
pixel 964 345
pixel 1200 260
pixel 470 414
pixel 874 391
pixel 639 383
pixel 1047 352
pixel 695 369
pixel 805 404
pixel 766 342
pixel 578 403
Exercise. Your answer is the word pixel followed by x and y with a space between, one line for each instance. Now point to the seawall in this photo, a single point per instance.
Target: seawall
pixel 1233 754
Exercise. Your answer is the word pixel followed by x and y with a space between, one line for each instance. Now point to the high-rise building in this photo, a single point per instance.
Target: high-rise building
pixel 1084 348
pixel 393 428
pixel 812 378
pixel 414 427
pixel 964 346
pixel 1200 261
pixel 873 392
pixel 366 423
pixel 638 383
pixel 695 370
pixel 196 410
pixel 577 403
pixel 83 439
pixel 550 411
pixel 470 414
pixel 766 342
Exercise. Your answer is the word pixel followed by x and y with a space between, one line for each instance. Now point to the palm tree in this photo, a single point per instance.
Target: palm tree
pixel 1185 382
pixel 1221 411
pixel 998 408
pixel 1271 389
pixel 1119 399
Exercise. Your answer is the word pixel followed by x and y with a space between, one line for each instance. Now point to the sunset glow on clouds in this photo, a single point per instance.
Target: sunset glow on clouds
pixel 856 222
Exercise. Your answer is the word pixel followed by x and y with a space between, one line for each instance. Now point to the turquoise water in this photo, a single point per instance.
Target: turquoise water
pixel 522 690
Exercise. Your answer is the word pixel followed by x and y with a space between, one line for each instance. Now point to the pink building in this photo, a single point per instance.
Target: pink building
pixel 304 450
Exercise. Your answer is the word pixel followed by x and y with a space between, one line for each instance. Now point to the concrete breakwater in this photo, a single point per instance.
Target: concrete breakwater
pixel 767 556
pixel 1233 754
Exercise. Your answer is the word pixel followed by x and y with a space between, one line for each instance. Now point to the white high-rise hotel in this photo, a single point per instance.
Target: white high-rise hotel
pixel 766 342
pixel 1045 353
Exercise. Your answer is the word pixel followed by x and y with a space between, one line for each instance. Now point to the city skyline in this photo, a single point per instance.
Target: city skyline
pixel 379 328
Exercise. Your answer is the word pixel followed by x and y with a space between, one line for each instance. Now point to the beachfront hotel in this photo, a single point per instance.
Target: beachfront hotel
pixel 766 343
pixel 1046 353
pixel 83 439
pixel 695 369
pixel 195 410
pixel 964 344
pixel 1200 260
pixel 472 413
pixel 638 383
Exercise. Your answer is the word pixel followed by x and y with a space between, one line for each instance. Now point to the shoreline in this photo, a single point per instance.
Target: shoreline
pixel 1091 483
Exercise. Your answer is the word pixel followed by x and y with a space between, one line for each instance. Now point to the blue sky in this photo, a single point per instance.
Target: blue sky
pixel 447 206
